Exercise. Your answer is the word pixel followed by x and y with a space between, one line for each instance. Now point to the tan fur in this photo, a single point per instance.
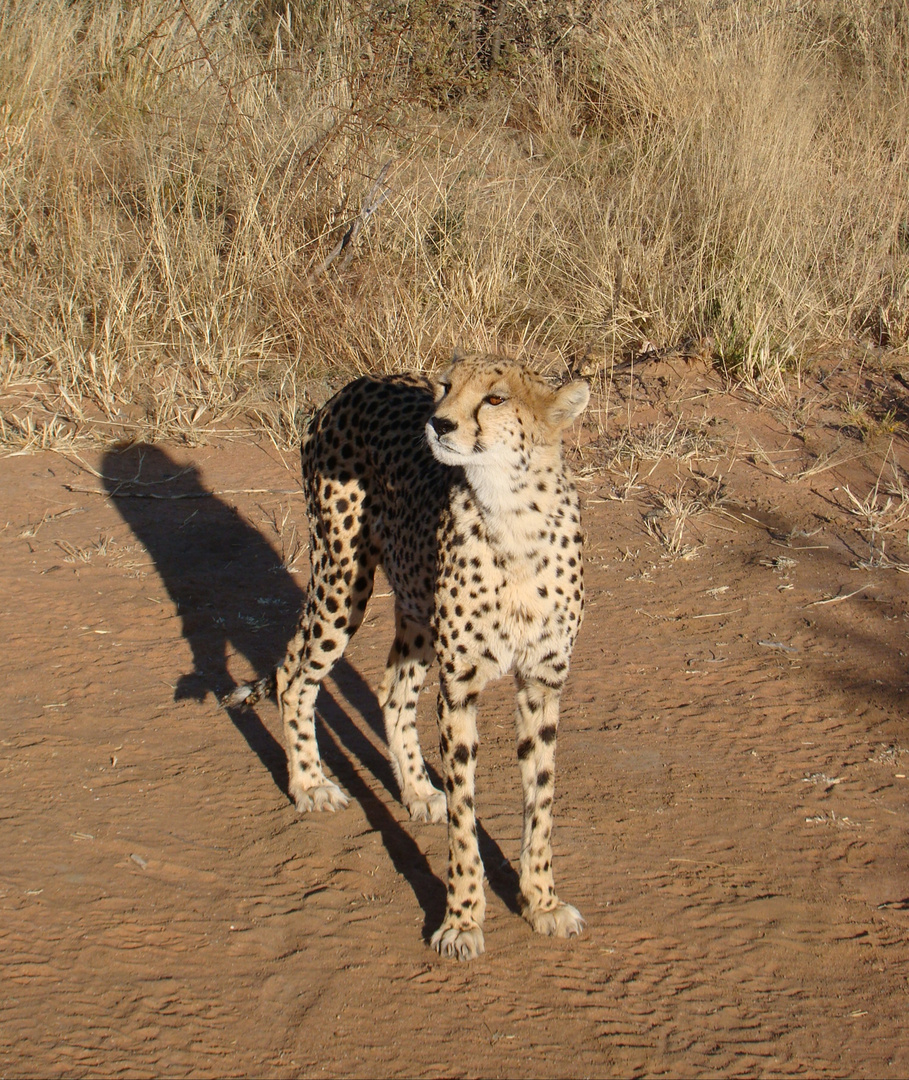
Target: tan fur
pixel 479 535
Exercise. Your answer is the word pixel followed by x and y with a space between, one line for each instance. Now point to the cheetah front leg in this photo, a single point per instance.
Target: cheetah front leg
pixel 461 932
pixel 537 725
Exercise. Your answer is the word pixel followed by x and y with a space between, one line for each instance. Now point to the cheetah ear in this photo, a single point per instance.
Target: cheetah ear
pixel 568 403
pixel 457 354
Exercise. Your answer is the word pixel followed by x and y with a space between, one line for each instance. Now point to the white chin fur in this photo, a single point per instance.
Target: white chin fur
pixel 448 457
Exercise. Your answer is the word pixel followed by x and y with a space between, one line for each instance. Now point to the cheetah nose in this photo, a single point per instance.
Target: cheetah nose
pixel 441 426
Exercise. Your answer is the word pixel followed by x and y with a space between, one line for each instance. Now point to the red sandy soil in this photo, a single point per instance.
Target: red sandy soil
pixel 732 810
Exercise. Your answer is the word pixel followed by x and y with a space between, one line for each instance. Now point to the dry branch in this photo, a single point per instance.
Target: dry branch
pixel 377 195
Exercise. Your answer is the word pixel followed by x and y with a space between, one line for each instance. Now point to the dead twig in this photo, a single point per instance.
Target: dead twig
pixel 837 599
pixel 118 493
pixel 377 195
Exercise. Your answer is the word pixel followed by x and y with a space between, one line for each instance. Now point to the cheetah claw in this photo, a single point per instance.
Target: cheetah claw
pixel 463 944
pixel 327 796
pixel 562 921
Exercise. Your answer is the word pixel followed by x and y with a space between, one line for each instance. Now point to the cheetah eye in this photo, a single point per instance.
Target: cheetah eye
pixel 494 399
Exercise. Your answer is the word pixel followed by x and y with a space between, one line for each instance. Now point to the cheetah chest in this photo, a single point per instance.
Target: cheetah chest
pixel 508 596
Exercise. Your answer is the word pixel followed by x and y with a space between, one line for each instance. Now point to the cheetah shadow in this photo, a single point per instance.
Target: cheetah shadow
pixel 216 568
pixel 232 590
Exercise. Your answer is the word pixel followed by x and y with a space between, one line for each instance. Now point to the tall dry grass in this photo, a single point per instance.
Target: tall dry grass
pixel 175 176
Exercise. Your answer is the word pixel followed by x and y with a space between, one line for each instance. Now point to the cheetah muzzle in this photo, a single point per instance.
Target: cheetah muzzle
pixel 461 494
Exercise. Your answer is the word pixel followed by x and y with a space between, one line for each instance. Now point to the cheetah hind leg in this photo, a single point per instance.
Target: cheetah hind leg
pixel 297 685
pixel 307 784
pixel 408 661
pixel 306 797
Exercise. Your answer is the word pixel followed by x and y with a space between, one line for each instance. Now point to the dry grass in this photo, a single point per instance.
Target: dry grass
pixel 676 439
pixel 883 513
pixel 292 545
pixel 666 522
pixel 175 176
pixel 672 512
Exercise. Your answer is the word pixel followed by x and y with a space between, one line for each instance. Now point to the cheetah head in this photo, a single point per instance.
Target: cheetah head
pixel 495 412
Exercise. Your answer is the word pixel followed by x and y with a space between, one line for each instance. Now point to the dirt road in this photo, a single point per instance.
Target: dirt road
pixel 732 803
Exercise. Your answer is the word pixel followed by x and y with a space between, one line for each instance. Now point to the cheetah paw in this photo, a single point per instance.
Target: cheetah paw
pixel 431 809
pixel 461 944
pixel 327 796
pixel 562 921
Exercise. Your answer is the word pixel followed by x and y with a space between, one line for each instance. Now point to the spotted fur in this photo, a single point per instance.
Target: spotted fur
pixel 461 494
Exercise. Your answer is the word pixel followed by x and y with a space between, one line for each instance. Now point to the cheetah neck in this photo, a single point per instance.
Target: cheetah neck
pixel 512 499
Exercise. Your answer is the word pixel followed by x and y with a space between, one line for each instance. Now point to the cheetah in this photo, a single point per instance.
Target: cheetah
pixel 460 492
